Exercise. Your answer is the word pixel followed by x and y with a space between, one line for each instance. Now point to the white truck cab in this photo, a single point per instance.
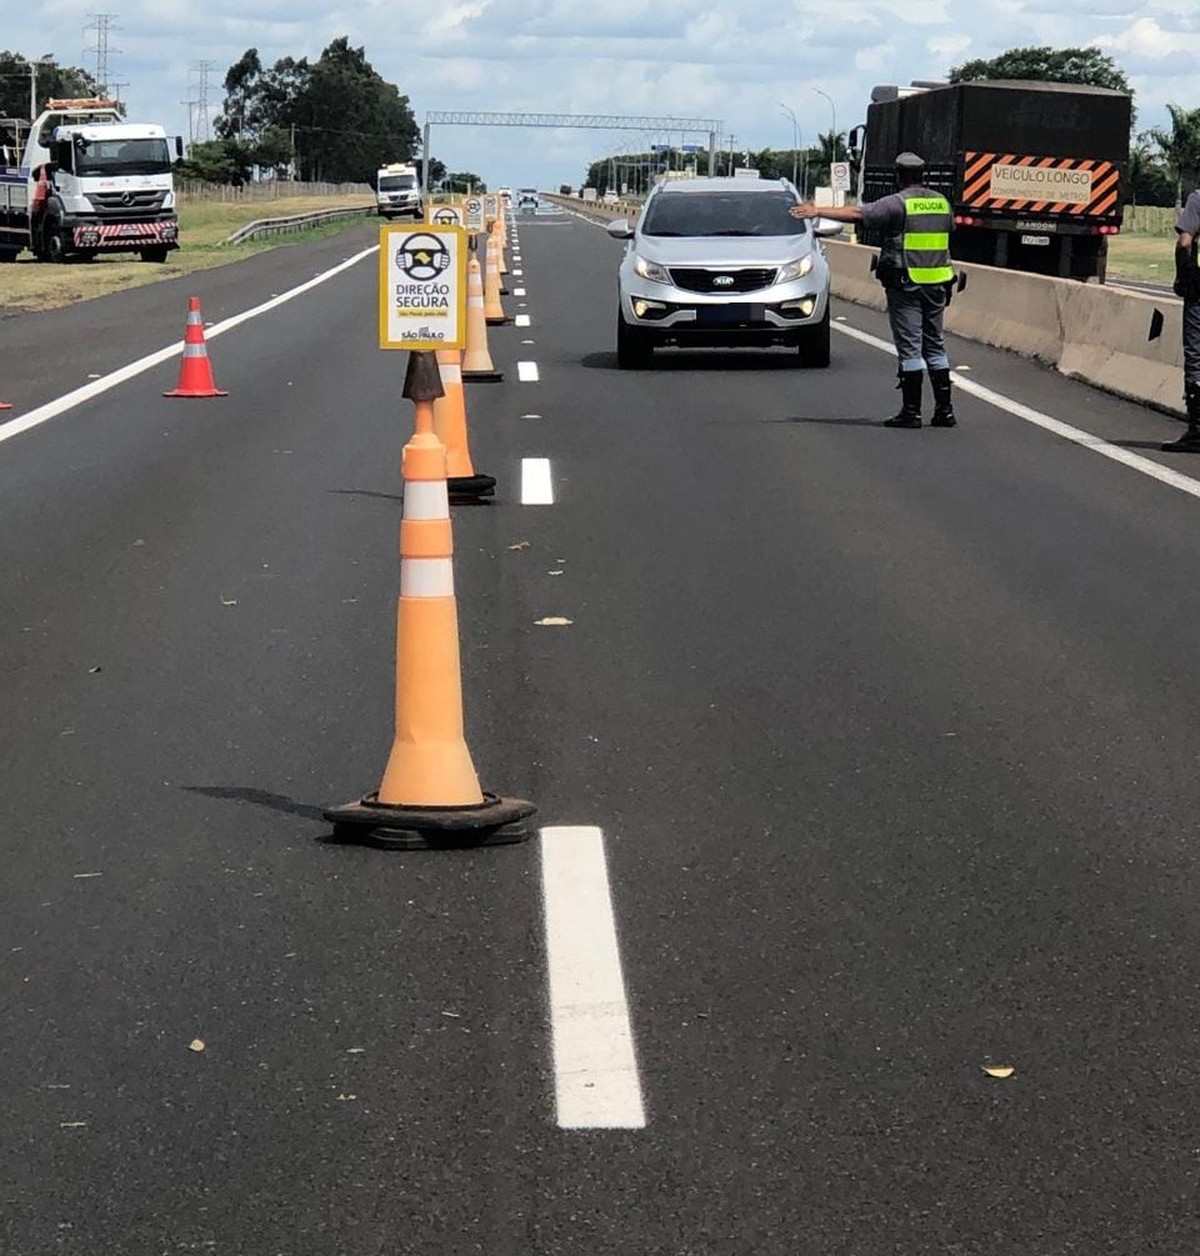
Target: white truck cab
pixel 398 191
pixel 91 182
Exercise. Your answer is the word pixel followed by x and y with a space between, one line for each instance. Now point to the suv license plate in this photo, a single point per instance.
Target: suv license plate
pixel 725 315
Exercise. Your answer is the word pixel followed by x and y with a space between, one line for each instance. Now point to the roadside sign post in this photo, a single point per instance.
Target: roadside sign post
pixel 839 179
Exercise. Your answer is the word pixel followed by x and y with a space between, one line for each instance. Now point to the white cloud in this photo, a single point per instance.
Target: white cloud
pixel 700 58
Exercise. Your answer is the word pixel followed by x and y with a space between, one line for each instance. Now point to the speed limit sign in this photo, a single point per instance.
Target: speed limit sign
pixel 839 176
pixel 474 207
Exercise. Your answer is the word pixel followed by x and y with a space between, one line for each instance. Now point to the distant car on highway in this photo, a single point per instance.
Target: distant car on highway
pixel 721 262
pixel 527 198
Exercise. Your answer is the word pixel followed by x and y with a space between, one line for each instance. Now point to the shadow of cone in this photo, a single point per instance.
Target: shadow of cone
pixel 477 362
pixel 195 370
pixel 493 307
pixel 450 427
pixel 430 796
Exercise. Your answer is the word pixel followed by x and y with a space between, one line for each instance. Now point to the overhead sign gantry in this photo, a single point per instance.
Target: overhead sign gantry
pixel 588 121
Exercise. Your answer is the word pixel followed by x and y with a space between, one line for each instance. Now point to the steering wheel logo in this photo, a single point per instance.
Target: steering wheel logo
pixel 423 257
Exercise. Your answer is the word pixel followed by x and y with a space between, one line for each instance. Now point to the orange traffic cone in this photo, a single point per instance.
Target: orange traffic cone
pixel 430 795
pixel 493 307
pixel 502 245
pixel 450 427
pixel 477 362
pixel 195 370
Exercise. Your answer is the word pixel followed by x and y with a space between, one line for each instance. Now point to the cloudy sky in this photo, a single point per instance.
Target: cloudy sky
pixel 733 60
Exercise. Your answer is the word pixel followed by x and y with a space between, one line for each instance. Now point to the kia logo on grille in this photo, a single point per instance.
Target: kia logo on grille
pixel 723 281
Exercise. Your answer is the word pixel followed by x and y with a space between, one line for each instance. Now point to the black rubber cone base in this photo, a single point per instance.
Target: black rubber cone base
pixel 471 485
pixel 482 377
pixel 494 822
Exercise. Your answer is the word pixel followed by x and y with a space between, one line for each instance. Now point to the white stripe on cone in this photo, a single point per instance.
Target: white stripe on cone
pixel 427 577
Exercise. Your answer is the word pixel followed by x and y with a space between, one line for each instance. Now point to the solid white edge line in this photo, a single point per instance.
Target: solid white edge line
pixel 93 388
pixel 537 487
pixel 595 1065
pixel 527 372
pixel 1135 462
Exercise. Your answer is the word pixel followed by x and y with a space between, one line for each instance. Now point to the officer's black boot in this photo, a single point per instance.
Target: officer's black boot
pixel 910 411
pixel 1189 442
pixel 943 407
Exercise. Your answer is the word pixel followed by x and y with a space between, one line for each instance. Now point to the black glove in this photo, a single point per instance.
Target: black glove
pixel 1187 276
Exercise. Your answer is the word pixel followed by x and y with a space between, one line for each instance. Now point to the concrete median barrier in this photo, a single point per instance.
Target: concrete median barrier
pixel 1087 331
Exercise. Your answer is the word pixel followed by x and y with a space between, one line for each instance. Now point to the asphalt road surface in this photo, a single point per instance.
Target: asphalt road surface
pixel 868 762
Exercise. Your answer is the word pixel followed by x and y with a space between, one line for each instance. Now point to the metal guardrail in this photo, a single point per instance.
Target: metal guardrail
pixel 296 222
pixel 603 211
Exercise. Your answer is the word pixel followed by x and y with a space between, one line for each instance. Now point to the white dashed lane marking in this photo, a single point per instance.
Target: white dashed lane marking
pixel 537 487
pixel 595 1066
pixel 527 372
pixel 521 320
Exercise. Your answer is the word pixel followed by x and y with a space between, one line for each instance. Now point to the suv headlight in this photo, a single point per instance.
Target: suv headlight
pixel 797 269
pixel 651 270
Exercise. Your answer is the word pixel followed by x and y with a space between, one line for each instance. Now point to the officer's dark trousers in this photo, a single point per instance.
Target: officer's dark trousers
pixel 1191 342
pixel 915 315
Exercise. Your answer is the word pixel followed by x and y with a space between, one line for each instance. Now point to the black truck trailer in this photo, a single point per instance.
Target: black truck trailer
pixel 1034 172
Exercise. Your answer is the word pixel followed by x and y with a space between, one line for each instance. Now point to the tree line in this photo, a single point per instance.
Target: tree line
pixel 1164 162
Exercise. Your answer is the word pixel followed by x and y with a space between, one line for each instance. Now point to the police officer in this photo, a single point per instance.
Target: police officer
pixel 1187 286
pixel 914 269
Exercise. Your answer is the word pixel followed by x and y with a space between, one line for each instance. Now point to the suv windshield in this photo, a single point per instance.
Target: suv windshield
pixel 149 156
pixel 397 182
pixel 722 214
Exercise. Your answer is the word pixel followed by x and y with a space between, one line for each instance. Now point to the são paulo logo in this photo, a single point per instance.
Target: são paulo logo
pixel 423 257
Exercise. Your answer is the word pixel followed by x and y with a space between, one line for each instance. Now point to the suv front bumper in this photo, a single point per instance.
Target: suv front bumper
pixel 683 318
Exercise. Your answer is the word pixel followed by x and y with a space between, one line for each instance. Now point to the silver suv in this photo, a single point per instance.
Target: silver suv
pixel 722 262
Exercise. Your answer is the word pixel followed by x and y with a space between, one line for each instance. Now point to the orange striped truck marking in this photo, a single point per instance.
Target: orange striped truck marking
pixel 1010 181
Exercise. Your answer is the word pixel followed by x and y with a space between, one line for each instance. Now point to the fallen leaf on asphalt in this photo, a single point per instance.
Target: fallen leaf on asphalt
pixel 553 621
pixel 196 1044
pixel 999 1070
pixel 520 545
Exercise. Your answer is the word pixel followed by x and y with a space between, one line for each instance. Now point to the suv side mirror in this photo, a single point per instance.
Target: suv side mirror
pixel 620 229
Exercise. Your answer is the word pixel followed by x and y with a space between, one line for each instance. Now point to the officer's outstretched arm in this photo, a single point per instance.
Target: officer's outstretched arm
pixel 837 213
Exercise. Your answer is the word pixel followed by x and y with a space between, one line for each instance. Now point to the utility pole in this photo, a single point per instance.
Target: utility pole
pixel 103 23
pixel 191 104
pixel 47 60
pixel 795 141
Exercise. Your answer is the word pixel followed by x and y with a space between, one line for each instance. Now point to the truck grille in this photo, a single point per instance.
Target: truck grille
pixel 139 201
pixel 697 279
